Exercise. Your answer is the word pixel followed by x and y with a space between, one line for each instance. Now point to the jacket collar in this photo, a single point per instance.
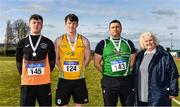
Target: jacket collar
pixel 153 51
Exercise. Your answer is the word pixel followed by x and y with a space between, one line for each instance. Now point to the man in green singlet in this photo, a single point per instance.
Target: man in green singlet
pixel 114 57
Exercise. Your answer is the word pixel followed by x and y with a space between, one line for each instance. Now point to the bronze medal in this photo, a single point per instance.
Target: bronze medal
pixel 117 52
pixel 117 48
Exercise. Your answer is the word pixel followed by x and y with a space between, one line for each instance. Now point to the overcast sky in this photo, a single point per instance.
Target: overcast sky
pixel 159 16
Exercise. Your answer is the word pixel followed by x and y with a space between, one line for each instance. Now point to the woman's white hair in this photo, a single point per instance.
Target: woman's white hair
pixel 150 34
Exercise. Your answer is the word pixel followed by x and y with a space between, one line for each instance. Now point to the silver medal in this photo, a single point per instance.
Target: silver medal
pixel 36 45
pixel 34 53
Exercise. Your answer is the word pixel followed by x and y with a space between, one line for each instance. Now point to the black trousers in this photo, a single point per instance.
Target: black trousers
pixel 29 94
pixel 117 87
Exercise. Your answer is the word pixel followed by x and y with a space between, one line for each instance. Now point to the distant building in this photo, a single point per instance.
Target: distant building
pixel 1 45
pixel 175 53
pixel 10 52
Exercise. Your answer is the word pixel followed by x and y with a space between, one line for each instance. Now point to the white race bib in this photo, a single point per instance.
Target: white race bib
pixel 118 65
pixel 71 66
pixel 35 69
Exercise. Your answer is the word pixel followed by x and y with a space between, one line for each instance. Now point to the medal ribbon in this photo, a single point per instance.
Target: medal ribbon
pixel 116 47
pixel 37 43
pixel 72 45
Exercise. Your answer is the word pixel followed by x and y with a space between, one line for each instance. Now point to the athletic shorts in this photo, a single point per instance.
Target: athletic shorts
pixel 114 87
pixel 76 88
pixel 29 94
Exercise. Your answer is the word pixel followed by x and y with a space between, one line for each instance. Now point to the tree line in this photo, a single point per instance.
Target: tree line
pixel 15 31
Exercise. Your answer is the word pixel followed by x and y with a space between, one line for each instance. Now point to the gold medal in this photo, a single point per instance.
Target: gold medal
pixel 72 45
pixel 72 53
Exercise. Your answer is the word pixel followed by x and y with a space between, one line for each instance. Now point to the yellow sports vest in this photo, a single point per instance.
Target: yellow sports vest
pixel 71 63
pixel 35 72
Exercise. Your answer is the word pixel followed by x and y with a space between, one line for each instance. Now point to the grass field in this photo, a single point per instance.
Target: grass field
pixel 10 83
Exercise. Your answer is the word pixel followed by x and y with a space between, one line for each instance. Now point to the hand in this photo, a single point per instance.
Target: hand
pixel 83 68
pixel 171 97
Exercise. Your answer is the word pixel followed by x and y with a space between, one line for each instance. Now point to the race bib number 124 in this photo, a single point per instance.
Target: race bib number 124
pixel 71 66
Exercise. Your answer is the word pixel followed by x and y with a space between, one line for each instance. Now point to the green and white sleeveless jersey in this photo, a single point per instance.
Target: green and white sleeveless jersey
pixel 116 63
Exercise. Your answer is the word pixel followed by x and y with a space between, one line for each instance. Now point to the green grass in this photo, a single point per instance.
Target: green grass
pixel 4 58
pixel 10 83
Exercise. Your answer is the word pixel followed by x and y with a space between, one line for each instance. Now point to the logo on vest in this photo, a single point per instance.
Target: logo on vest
pixel 63 46
pixel 59 101
pixel 43 46
pixel 85 100
pixel 27 45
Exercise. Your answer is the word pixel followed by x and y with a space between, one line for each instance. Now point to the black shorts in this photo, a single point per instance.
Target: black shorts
pixel 29 94
pixel 76 88
pixel 114 87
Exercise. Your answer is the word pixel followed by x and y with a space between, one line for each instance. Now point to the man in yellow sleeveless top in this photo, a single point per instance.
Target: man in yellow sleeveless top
pixel 73 56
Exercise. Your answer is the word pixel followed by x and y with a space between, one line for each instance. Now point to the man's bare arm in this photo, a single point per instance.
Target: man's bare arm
pixel 87 52
pixel 133 56
pixel 56 44
pixel 97 62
